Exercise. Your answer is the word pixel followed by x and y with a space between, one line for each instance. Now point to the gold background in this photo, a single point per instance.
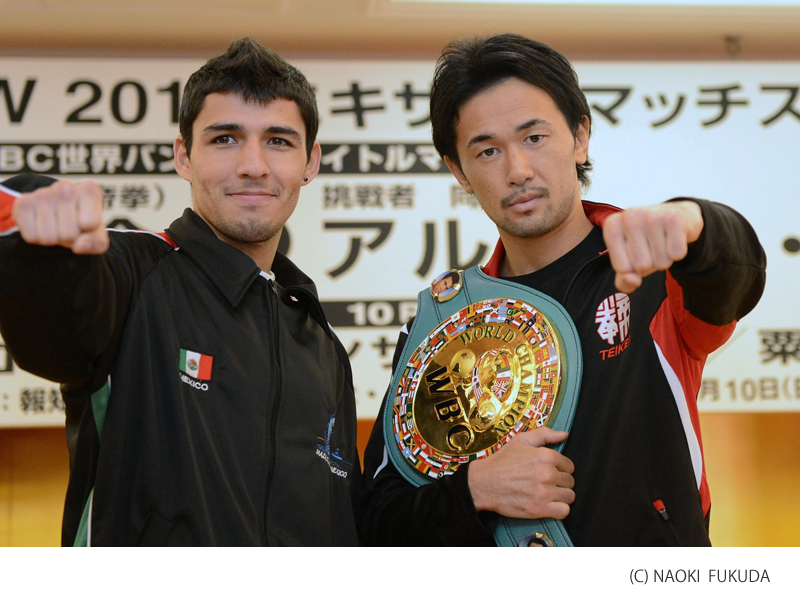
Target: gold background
pixel 752 460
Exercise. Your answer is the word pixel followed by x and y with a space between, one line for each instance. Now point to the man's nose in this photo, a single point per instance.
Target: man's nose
pixel 253 161
pixel 519 167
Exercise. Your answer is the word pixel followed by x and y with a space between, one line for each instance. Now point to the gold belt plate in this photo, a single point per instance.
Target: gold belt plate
pixel 485 374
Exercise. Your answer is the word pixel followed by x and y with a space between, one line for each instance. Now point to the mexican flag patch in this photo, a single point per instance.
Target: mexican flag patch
pixel 196 365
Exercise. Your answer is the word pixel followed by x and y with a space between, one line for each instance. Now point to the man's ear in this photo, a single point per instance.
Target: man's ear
pixel 458 174
pixel 182 163
pixel 582 141
pixel 312 167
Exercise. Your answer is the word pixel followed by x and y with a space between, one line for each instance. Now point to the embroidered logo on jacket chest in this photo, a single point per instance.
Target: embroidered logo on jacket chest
pixel 336 463
pixel 195 369
pixel 613 319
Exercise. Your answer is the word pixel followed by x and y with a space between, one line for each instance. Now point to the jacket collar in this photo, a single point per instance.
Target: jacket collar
pixel 231 270
pixel 597 214
pixel 300 287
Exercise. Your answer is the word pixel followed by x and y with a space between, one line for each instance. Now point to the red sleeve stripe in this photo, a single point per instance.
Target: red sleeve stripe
pixel 7 198
pixel 683 343
pixel 701 338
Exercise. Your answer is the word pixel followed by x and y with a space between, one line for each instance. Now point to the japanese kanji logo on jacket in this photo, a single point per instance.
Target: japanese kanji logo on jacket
pixel 613 318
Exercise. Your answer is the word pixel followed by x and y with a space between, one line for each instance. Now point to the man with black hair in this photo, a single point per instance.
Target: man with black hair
pixel 208 402
pixel 651 292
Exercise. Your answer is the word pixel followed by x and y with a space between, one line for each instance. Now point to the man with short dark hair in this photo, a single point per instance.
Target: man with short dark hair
pixel 441 286
pixel 208 401
pixel 650 292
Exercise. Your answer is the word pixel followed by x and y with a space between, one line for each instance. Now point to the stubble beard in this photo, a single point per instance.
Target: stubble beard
pixel 248 231
pixel 529 224
pixel 245 230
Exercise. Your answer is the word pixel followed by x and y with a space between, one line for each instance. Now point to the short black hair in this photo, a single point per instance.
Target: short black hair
pixel 257 74
pixel 470 66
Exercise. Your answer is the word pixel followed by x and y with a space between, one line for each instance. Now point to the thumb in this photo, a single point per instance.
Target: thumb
pixel 627 282
pixel 93 242
pixel 542 436
pixel 89 201
pixel 94 237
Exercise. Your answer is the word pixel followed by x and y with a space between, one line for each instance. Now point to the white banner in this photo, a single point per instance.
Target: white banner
pixel 384 217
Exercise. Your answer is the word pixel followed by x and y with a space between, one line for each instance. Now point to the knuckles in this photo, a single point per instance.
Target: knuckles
pixel 51 216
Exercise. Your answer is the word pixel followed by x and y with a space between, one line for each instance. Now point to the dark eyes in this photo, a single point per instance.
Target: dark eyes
pixel 533 139
pixel 224 140
pixel 279 142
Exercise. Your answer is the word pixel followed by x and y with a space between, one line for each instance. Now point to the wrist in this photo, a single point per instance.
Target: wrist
pixel 475 482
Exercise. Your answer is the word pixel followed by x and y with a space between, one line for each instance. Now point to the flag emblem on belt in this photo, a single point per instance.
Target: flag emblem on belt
pixel 196 365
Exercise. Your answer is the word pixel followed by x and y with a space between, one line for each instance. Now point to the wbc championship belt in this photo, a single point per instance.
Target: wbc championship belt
pixel 485 360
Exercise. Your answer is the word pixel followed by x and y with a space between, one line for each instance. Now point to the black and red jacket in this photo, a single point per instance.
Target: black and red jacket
pixel 635 441
pixel 256 448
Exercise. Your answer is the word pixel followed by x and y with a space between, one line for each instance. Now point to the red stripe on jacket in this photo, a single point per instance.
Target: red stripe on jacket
pixel 163 235
pixel 7 198
pixel 686 342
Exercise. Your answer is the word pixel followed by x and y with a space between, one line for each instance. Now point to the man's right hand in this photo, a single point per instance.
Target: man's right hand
pixel 63 214
pixel 524 479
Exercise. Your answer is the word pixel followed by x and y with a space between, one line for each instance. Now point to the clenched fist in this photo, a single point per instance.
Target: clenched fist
pixel 641 241
pixel 64 214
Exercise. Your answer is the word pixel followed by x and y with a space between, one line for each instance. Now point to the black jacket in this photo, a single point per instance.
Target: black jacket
pixel 259 448
pixel 635 440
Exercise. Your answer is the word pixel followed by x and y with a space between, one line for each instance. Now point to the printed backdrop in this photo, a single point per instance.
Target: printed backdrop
pixel 384 217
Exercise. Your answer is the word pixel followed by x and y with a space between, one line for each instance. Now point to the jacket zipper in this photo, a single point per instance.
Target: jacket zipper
pixel 662 510
pixel 276 403
pixel 585 266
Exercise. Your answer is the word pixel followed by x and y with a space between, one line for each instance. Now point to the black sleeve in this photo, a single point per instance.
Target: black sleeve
pixel 397 513
pixel 723 275
pixel 60 311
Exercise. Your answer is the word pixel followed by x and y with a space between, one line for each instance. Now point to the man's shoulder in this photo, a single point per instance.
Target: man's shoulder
pixel 139 248
pixel 26 183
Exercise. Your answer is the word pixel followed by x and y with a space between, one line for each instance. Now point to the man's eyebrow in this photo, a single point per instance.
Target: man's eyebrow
pixel 531 123
pixel 480 138
pixel 217 127
pixel 236 127
pixel 281 130
pixel 483 137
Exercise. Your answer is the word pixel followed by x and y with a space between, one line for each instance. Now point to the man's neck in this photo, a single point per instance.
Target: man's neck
pixel 526 255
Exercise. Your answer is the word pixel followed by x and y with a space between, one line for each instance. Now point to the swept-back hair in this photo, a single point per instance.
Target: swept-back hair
pixel 257 74
pixel 470 66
